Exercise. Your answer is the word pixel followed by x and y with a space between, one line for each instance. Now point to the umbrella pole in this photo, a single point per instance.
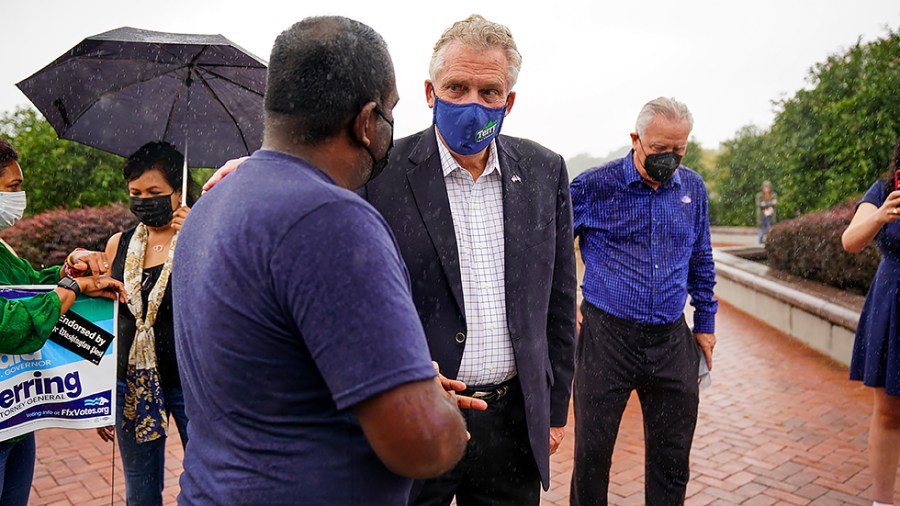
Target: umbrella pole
pixel 187 134
pixel 184 177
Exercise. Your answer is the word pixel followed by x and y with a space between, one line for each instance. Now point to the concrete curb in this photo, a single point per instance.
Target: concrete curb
pixel 822 324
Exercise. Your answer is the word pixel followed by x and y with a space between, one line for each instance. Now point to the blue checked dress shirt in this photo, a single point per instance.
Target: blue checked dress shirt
pixel 644 251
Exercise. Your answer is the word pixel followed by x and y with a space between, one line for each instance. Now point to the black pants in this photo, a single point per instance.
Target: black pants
pixel 498 467
pixel 614 357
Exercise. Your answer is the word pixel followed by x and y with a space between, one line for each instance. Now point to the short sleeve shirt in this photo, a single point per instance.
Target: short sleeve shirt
pixel 292 304
pixel 888 238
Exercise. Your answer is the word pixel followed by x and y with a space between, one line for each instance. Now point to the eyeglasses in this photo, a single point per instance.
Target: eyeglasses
pixel 655 148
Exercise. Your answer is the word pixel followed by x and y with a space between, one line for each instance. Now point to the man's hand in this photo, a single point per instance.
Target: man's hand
pixel 578 318
pixel 706 342
pixel 557 434
pixel 452 386
pixel 107 434
pixel 223 171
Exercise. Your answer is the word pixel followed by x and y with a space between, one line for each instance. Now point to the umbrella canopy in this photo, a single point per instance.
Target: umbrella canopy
pixel 121 89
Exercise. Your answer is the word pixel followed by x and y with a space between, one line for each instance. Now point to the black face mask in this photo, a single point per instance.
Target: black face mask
pixel 153 211
pixel 378 165
pixel 661 166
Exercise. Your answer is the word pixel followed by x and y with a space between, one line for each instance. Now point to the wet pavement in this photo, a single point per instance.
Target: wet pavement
pixel 781 424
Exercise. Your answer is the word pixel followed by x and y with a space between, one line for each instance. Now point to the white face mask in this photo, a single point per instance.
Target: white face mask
pixel 12 205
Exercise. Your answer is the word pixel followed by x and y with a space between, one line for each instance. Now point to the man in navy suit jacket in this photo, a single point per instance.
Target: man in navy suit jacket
pixel 484 224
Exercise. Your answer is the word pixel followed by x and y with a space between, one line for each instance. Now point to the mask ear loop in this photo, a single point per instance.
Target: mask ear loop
pixel 642 146
pixel 644 161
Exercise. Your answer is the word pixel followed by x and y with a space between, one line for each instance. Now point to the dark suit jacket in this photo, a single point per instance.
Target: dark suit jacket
pixel 540 267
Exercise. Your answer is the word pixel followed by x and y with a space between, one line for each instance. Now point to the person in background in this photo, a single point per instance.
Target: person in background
pixel 149 388
pixel 304 365
pixel 25 325
pixel 642 222
pixel 766 200
pixel 876 350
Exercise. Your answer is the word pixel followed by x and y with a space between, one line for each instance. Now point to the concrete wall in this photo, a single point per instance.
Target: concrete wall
pixel 734 236
pixel 828 327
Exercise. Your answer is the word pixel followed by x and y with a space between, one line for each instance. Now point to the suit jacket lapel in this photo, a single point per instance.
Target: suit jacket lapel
pixel 426 179
pixel 515 223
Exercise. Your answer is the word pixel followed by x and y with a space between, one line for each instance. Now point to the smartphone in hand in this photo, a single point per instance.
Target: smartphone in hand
pixel 897 180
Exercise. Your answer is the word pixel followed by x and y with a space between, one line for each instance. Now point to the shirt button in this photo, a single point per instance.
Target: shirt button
pixel 460 337
pixel 656 266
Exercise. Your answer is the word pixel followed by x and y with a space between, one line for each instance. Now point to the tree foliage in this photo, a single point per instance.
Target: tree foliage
pixel 61 173
pixel 810 247
pixel 694 159
pixel 65 174
pixel 46 238
pixel 828 142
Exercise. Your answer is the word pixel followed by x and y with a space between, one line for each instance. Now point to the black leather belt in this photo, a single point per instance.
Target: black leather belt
pixel 489 393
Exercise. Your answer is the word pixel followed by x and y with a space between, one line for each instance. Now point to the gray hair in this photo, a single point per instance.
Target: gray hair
pixel 668 108
pixel 478 33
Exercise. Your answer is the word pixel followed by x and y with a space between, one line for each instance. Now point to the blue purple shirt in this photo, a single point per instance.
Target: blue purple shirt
pixel 645 250
pixel 292 304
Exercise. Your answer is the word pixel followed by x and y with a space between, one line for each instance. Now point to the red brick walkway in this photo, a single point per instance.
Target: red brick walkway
pixel 780 425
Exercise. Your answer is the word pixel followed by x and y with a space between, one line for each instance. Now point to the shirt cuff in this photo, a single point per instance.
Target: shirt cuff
pixel 704 323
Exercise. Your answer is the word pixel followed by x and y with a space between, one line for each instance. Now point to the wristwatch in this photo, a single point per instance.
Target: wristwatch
pixel 70 284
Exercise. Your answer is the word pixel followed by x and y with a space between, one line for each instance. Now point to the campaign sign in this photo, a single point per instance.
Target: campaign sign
pixel 80 336
pixel 71 381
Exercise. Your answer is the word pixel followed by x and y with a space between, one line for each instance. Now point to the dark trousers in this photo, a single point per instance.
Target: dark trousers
pixel 144 464
pixel 498 467
pixel 614 357
pixel 16 471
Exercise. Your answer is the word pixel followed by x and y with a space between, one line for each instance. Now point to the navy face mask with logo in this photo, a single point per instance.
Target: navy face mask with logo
pixel 467 128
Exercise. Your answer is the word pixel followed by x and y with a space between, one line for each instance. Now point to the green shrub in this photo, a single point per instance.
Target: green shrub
pixel 810 247
pixel 46 238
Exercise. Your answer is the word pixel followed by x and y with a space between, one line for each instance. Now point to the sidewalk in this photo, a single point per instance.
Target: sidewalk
pixel 780 425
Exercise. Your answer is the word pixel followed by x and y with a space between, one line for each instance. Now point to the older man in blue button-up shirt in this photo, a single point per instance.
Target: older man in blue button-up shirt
pixel 643 226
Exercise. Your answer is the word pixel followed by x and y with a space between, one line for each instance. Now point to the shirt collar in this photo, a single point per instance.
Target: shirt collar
pixel 449 164
pixel 633 176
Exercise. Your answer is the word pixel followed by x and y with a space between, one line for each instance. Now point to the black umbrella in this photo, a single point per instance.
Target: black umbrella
pixel 121 89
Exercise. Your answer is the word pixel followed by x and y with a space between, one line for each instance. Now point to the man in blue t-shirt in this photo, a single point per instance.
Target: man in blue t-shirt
pixel 306 374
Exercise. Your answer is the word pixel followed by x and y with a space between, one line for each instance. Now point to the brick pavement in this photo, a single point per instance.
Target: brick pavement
pixel 781 425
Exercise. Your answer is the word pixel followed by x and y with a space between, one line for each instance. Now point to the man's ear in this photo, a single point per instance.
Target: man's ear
pixel 364 125
pixel 510 100
pixel 429 93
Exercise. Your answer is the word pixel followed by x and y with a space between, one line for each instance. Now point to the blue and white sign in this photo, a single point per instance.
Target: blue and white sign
pixel 70 382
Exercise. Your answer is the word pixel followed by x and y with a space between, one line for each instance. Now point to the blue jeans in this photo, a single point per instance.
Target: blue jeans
pixel 144 463
pixel 764 228
pixel 16 471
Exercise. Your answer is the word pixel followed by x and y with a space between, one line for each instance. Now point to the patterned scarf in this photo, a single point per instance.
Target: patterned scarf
pixel 145 407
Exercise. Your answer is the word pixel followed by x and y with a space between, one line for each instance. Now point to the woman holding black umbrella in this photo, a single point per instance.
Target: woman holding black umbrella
pixel 149 389
pixel 26 325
